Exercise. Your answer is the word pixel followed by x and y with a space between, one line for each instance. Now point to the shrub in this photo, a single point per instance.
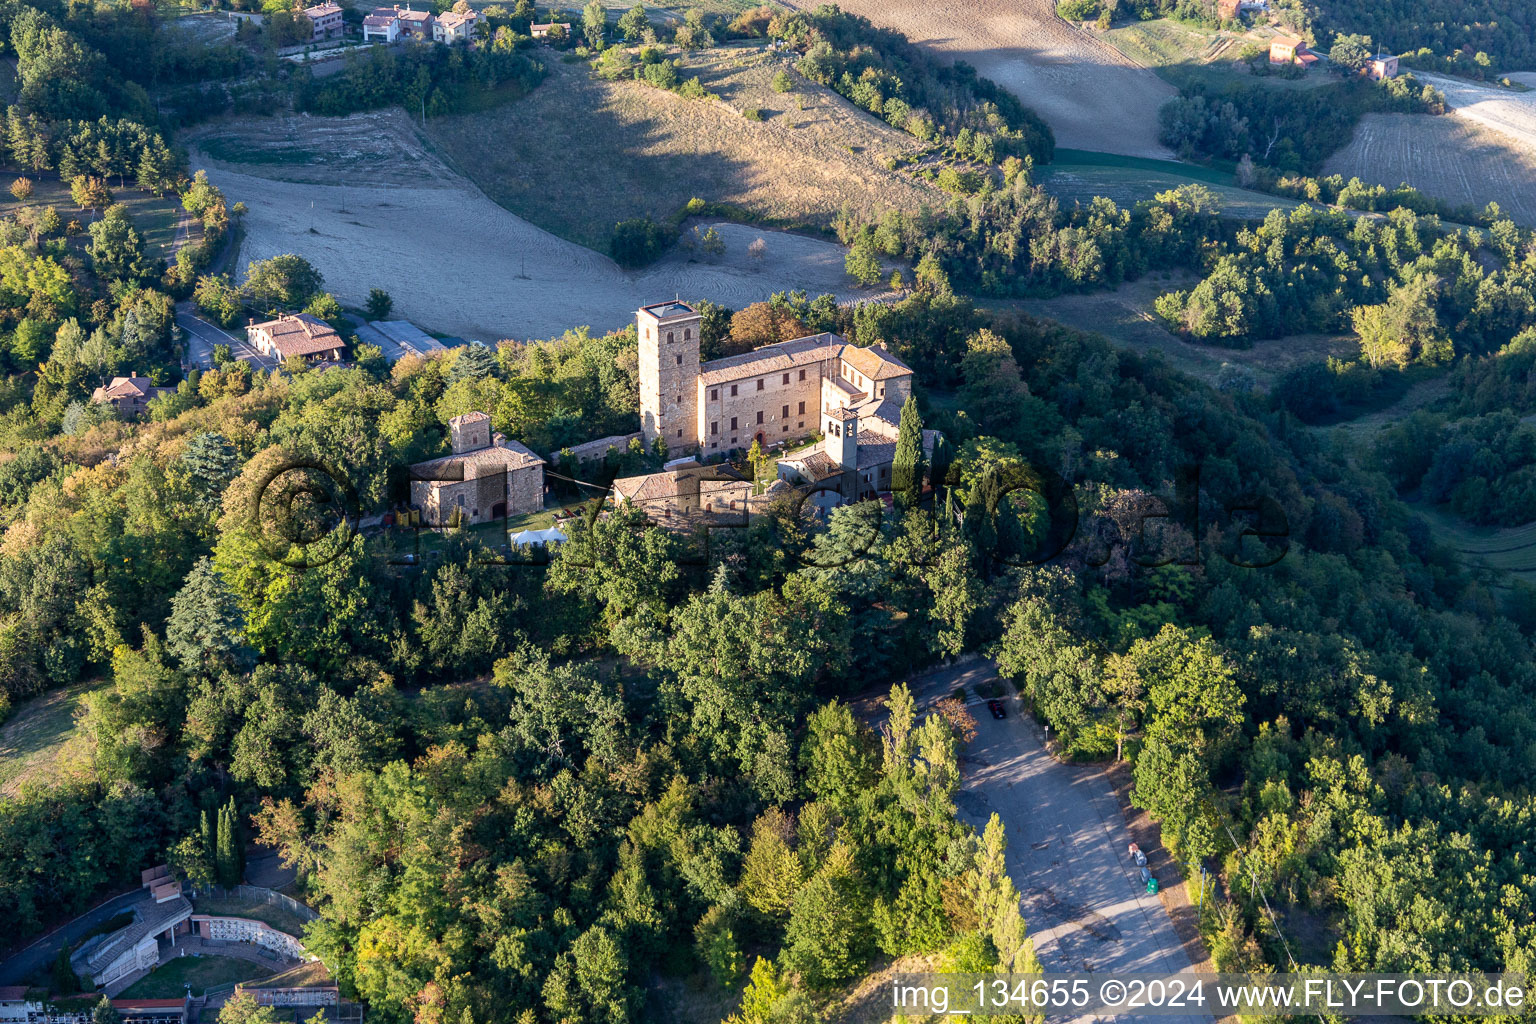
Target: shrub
pixel 752 114
pixel 636 242
pixel 782 82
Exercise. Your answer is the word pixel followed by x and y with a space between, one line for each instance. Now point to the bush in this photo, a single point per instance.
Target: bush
pixel 752 114
pixel 636 242
pixel 782 82
pixel 1077 10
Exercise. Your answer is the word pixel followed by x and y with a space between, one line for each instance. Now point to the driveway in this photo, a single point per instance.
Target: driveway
pixel 1084 903
pixel 203 335
pixel 36 960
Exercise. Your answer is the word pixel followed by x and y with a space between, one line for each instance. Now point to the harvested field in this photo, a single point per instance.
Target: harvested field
pixel 1125 317
pixel 1504 110
pixel 642 151
pixel 396 218
pixel 1453 158
pixel 1508 549
pixel 1091 94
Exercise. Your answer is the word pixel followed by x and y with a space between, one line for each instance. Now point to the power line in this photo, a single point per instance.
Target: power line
pixel 1260 890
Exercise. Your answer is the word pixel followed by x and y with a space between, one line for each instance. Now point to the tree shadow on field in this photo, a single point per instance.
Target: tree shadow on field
pixel 568 160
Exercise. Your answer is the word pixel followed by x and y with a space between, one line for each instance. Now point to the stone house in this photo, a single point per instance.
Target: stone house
pixel 1383 65
pixel 486 478
pixel 687 493
pixel 129 395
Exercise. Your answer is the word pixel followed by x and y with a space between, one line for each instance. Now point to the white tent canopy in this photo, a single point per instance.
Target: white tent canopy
pixel 526 537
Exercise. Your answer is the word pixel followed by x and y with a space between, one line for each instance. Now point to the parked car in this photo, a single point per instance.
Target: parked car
pixel 997 709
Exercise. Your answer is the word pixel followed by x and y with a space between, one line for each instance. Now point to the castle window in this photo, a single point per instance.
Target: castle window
pixel 687 333
pixel 786 428
pixel 679 432
pixel 733 390
pixel 759 383
pixel 786 378
pixel 785 413
pixel 802 375
pixel 679 360
pixel 802 409
pixel 733 425
pixel 714 394
pixel 669 337
pixel 714 427
pixel 759 415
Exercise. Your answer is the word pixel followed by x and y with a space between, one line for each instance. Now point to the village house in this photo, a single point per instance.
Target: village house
pixel 1290 50
pixel 486 478
pixel 325 21
pixel 416 24
pixel 1383 65
pixel 129 395
pixel 687 493
pixel 548 31
pixel 299 334
pixel 381 25
pixel 454 27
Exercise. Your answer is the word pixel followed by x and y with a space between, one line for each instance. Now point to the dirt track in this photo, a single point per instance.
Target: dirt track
pixel 1092 96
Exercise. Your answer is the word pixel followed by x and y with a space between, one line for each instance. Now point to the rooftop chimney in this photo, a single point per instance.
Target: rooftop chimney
pixel 133 373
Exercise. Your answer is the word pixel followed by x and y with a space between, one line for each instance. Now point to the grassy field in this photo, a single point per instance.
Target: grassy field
pixel 32 741
pixel 642 151
pixel 171 979
pixel 1185 55
pixel 154 217
pixel 1504 549
pixel 1125 317
pixel 277 916
pixel 1132 181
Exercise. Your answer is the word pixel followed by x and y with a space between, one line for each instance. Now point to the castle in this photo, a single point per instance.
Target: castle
pixel 852 396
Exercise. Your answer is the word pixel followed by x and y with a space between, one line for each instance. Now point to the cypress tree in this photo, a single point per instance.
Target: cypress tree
pixel 907 470
pixel 226 861
pixel 943 459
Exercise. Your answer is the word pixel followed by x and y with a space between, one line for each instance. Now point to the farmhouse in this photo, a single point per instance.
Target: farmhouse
pixel 486 477
pixel 549 31
pixel 382 24
pixel 325 21
pixel 1290 50
pixel 685 493
pixel 454 27
pixel 129 395
pixel 302 335
pixel 1383 65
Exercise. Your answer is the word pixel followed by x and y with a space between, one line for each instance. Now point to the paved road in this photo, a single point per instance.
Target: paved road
pixel 202 336
pixel 1083 900
pixel 36 959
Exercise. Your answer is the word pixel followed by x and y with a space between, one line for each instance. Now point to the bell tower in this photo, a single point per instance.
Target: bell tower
pixel 669 374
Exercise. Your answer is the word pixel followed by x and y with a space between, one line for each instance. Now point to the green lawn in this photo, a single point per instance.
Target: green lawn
pixel 155 217
pixel 34 736
pixel 1184 55
pixel 278 917
pixel 1129 180
pixel 171 978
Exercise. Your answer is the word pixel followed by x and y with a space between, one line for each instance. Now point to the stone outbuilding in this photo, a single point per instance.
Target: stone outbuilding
pixel 486 478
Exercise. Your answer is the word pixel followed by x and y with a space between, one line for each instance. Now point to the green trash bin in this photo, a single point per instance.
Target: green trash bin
pixel 1152 887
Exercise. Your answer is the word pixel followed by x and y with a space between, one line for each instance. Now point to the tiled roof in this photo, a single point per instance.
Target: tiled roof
pixel 322 10
pixel 874 362
pixel 422 16
pixel 451 19
pixel 12 993
pixel 876 451
pixel 469 417
pixel 816 466
pixel 672 483
pixel 301 335
pixel 125 387
pixel 509 454
pixel 784 355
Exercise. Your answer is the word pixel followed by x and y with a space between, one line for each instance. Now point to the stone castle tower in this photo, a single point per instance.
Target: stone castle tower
pixel 669 374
